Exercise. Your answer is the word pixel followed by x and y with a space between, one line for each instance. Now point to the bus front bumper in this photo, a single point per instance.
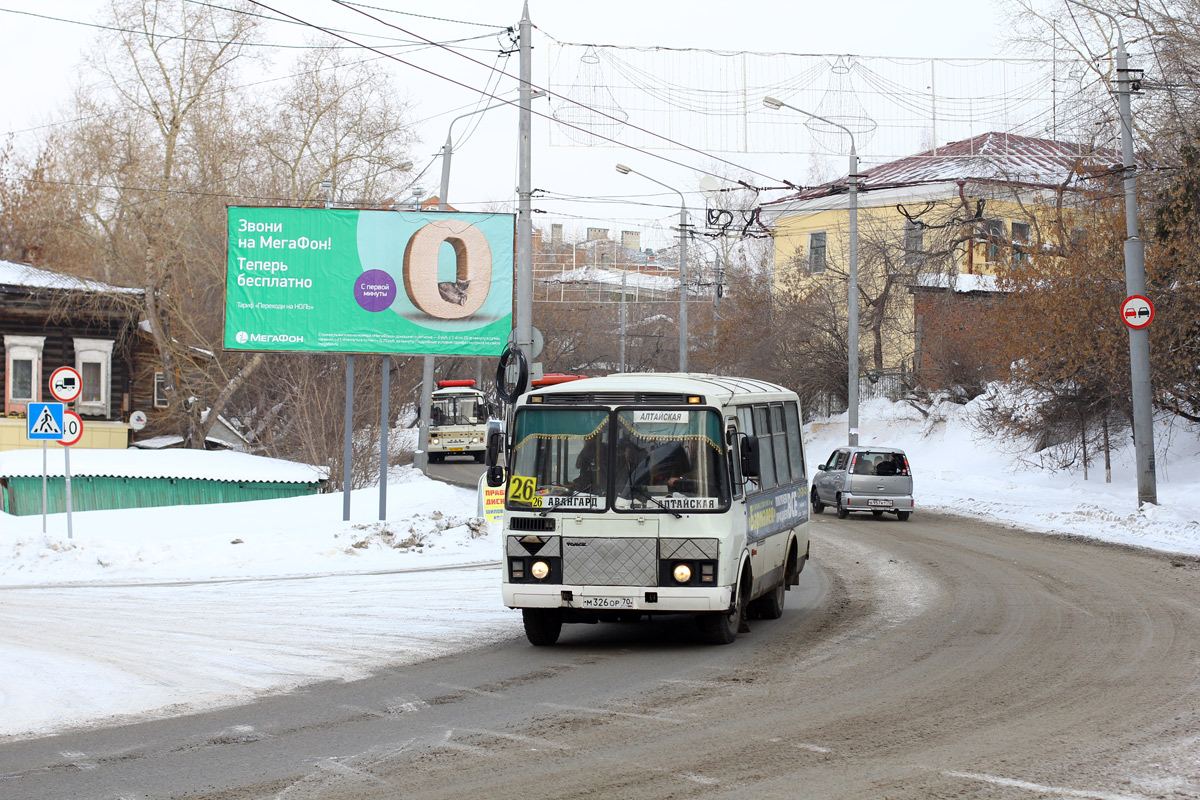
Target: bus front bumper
pixel 661 599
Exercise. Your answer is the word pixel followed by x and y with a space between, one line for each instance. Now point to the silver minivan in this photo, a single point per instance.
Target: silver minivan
pixel 874 479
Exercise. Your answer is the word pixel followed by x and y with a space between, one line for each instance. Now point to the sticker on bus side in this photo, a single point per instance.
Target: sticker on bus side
pixel 777 511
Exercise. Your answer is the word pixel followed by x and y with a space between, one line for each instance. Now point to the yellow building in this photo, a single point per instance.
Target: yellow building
pixel 932 227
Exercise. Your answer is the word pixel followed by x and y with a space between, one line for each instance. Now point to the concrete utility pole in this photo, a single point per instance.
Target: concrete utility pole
pixel 1135 282
pixel 683 285
pixel 524 184
pixel 852 288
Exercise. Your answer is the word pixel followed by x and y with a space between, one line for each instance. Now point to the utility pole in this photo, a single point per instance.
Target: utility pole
pixel 1135 282
pixel 524 184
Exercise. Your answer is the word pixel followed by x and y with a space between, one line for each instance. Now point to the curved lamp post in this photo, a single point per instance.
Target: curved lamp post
pixel 852 288
pixel 683 323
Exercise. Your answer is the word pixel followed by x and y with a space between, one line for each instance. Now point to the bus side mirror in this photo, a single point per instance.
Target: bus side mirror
pixel 750 465
pixel 495 476
pixel 494 439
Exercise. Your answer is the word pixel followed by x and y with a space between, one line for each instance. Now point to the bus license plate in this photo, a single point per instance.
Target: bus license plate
pixel 455 449
pixel 606 602
pixel 886 503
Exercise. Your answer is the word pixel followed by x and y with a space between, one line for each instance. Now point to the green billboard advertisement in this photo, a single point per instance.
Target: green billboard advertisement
pixel 350 281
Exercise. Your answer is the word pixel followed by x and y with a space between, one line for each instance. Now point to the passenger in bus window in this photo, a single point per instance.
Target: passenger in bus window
pixel 591 468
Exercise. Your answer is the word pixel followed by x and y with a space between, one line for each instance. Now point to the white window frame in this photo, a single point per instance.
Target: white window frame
pixel 1021 239
pixel 997 233
pixel 160 398
pixel 813 267
pixel 95 351
pixel 22 348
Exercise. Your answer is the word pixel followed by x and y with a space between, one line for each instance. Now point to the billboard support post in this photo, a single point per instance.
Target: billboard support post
pixel 384 430
pixel 347 433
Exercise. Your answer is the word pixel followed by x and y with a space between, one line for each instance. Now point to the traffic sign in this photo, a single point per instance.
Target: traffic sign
pixel 72 429
pixel 45 421
pixel 1137 311
pixel 65 384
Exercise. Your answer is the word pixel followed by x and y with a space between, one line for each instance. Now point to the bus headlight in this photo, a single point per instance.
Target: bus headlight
pixel 434 440
pixel 682 573
pixel 540 570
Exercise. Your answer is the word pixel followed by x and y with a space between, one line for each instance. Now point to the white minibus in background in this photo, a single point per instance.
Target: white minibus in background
pixel 647 493
pixel 458 417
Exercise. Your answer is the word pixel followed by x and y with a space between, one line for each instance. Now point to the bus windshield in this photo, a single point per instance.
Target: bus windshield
pixel 457 410
pixel 670 459
pixel 664 460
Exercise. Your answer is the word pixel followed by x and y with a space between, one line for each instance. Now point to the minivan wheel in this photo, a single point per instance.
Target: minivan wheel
pixel 842 511
pixel 817 506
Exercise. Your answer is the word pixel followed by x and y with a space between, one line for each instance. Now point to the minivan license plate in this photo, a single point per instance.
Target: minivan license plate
pixel 606 602
pixel 879 503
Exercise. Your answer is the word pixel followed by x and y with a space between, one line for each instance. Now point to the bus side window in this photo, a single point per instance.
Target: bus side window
pixel 762 430
pixel 732 451
pixel 779 443
pixel 795 450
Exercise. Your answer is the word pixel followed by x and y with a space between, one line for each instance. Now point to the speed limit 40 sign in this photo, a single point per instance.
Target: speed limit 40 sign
pixel 72 429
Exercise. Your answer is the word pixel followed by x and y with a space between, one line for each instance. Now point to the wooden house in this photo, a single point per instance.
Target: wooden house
pixel 49 320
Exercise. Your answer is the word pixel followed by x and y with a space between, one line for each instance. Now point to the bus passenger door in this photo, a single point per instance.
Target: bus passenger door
pixel 737 489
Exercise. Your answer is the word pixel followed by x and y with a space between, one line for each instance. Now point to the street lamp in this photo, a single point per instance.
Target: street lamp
pixel 852 288
pixel 421 459
pixel 448 147
pixel 683 324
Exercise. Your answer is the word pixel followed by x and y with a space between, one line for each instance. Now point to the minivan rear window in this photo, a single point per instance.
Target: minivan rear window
pixel 879 462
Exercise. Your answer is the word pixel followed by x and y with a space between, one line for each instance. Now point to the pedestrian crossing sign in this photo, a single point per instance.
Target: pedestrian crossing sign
pixel 45 421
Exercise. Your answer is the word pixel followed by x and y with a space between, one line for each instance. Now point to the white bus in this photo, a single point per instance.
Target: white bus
pixel 640 494
pixel 458 417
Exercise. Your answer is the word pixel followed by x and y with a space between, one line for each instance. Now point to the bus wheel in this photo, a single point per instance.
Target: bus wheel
pixel 722 627
pixel 479 458
pixel 770 605
pixel 542 625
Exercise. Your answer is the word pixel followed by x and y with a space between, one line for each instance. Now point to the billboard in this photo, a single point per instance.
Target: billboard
pixel 350 281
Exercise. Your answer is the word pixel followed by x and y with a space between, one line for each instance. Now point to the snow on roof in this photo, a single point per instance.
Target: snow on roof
pixel 960 282
pixel 612 277
pixel 989 158
pixel 205 465
pixel 24 275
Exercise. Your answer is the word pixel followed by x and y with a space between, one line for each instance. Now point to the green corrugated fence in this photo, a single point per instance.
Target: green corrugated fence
pixel 23 496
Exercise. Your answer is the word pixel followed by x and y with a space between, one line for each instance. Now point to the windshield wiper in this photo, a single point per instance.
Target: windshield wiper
pixel 642 491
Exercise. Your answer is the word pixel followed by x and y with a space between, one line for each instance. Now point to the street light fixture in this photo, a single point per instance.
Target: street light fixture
pixel 421 459
pixel 683 323
pixel 852 288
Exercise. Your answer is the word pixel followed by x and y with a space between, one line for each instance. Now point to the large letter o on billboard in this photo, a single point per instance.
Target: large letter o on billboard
pixel 473 257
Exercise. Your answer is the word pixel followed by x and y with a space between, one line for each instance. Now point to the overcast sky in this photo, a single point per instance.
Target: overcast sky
pixel 40 59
